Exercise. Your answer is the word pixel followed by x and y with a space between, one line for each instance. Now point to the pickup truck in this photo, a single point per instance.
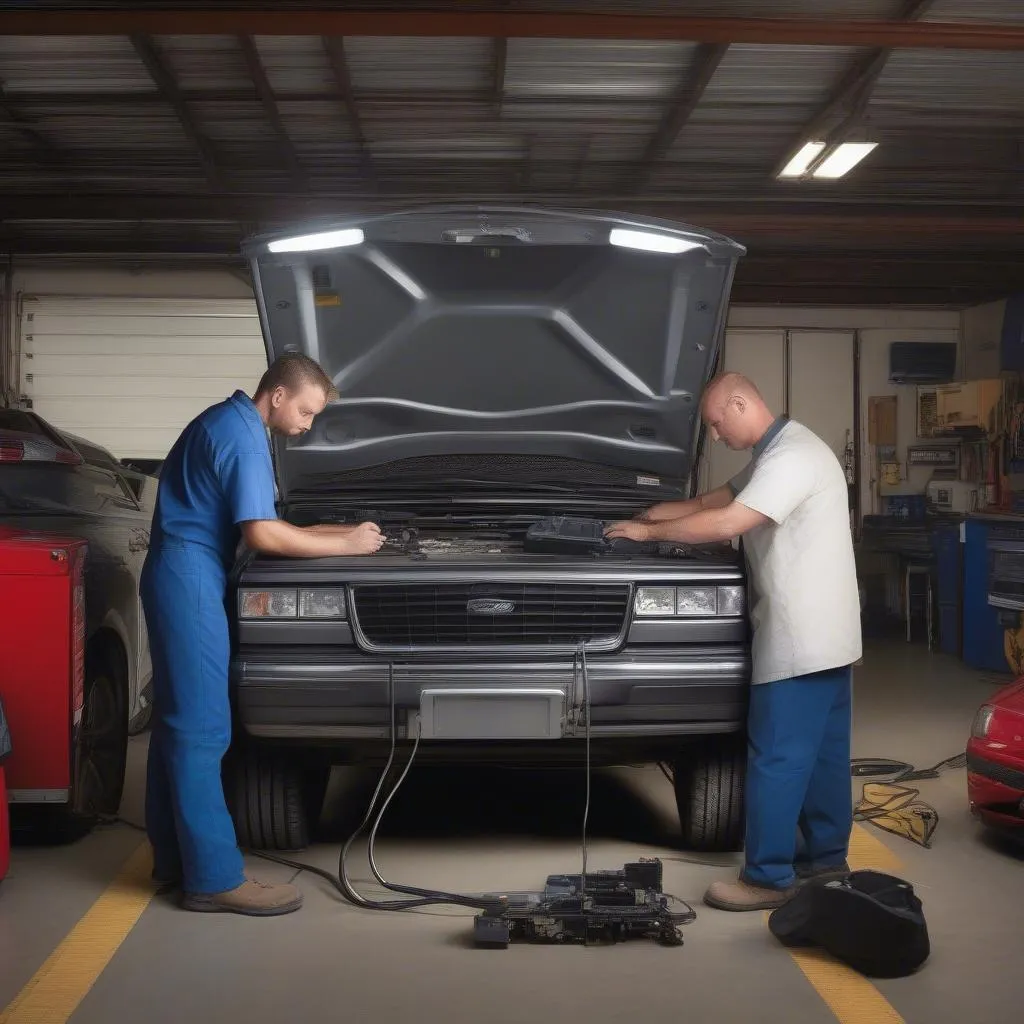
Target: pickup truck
pixel 510 380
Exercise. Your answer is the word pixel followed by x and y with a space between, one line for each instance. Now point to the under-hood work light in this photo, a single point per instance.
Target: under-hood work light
pixel 650 241
pixel 318 242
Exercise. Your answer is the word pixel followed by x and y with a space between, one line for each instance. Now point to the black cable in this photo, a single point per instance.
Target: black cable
pixel 342 883
pixel 586 805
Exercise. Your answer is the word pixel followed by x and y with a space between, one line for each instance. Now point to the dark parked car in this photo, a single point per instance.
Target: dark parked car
pixel 510 380
pixel 55 484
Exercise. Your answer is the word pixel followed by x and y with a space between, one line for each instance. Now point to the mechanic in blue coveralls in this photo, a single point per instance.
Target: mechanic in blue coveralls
pixel 217 487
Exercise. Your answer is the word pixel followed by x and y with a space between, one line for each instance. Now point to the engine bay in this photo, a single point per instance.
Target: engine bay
pixel 455 538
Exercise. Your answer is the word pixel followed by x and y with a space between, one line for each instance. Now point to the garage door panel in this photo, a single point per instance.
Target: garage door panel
pixel 166 413
pixel 83 325
pixel 172 366
pixel 129 374
pixel 101 386
pixel 71 344
pixel 74 305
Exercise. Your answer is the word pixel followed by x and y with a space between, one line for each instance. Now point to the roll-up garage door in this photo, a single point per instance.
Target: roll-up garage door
pixel 128 374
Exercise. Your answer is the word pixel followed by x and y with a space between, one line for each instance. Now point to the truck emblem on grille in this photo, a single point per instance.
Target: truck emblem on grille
pixel 489 606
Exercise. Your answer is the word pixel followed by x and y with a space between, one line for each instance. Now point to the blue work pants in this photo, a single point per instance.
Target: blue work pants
pixel 798 776
pixel 189 826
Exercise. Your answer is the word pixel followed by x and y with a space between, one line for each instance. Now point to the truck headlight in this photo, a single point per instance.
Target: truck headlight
pixel 659 601
pixel 268 604
pixel 320 603
pixel 690 602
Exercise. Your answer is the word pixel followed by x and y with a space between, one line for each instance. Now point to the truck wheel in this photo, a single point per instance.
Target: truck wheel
pixel 274 802
pixel 709 784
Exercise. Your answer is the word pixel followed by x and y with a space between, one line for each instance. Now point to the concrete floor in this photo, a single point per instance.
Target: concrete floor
pixel 332 961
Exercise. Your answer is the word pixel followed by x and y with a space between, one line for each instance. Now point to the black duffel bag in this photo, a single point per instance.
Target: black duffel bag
pixel 869 920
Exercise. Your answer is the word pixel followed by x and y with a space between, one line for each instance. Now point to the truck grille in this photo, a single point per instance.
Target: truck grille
pixel 490 615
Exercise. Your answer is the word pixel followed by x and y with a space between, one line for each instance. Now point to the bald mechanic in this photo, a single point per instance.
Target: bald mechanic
pixel 790 505
pixel 217 486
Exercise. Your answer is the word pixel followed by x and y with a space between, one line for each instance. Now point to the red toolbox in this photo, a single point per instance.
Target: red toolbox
pixel 42 671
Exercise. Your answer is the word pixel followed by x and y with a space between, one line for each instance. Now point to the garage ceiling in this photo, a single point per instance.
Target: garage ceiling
pixel 170 132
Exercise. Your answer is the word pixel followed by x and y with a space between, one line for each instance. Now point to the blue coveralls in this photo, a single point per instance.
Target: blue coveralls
pixel 218 474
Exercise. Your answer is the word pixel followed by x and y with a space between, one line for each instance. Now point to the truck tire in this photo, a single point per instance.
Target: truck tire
pixel 274 802
pixel 709 785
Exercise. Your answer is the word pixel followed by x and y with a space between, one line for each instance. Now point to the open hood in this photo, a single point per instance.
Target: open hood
pixel 497 331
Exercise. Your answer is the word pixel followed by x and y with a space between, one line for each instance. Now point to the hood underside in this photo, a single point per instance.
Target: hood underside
pixel 497 331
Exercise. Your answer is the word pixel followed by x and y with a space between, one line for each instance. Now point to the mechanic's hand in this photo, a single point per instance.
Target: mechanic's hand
pixel 365 539
pixel 632 530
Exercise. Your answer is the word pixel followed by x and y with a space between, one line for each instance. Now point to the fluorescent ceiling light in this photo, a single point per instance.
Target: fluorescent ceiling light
pixel 843 158
pixel 797 167
pixel 315 243
pixel 650 241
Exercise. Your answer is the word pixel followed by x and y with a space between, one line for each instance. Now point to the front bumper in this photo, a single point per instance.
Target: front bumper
pixel 310 693
pixel 995 790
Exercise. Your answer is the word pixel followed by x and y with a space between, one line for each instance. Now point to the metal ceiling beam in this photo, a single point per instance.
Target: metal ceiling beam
pixel 150 56
pixel 853 92
pixel 500 68
pixel 801 223
pixel 258 74
pixel 512 24
pixel 334 48
pixel 695 82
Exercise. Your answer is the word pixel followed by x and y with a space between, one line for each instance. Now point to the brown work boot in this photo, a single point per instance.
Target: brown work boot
pixel 254 899
pixel 742 895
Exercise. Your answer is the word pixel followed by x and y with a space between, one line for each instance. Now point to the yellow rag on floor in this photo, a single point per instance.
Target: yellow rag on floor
pixel 896 809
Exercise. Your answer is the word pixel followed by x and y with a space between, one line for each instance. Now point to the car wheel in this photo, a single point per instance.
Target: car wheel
pixel 274 802
pixel 709 785
pixel 100 754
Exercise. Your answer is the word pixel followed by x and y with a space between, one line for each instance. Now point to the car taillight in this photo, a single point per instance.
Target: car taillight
pixel 78 638
pixel 35 449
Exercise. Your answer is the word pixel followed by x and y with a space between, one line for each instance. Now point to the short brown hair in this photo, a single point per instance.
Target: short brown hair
pixel 292 371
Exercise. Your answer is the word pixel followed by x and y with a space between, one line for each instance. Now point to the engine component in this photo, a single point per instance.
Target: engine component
pixel 599 908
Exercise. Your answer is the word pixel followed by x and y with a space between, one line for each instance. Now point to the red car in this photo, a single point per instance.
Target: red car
pixel 995 761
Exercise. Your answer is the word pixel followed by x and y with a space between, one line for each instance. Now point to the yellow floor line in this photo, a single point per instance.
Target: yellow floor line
pixel 850 996
pixel 56 989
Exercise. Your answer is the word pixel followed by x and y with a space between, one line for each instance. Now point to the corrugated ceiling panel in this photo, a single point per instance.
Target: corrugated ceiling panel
pixel 114 126
pixel 946 79
pixel 755 146
pixel 235 122
pixel 609 116
pixel 295 64
pixel 387 65
pixel 779 75
pixel 62 64
pixel 318 123
pixel 1009 11
pixel 558 67
pixel 205 62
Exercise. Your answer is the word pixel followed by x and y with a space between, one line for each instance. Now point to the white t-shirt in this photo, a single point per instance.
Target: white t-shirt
pixel 804 601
